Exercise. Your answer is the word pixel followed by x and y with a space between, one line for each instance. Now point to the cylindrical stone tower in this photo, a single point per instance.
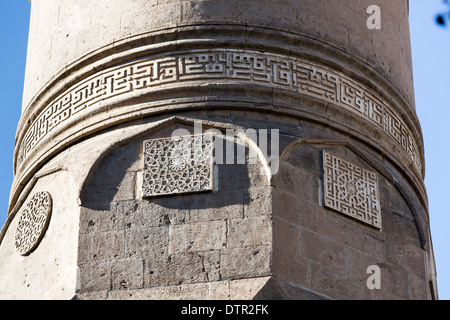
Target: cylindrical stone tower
pixel 218 149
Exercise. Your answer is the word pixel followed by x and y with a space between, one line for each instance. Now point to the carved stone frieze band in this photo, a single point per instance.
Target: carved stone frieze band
pixel 351 190
pixel 33 223
pixel 232 66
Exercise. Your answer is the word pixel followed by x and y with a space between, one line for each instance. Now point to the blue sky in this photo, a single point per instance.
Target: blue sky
pixel 431 64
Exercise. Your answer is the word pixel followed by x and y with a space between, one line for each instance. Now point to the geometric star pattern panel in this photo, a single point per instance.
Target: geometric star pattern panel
pixel 178 165
pixel 351 190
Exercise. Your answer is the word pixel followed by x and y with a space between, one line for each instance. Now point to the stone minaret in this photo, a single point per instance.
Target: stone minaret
pixel 218 149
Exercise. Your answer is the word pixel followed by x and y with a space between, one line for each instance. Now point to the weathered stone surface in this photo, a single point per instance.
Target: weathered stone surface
pixel 245 262
pixel 335 285
pixel 182 292
pixel 249 232
pixel 50 270
pixel 349 247
pixel 315 19
pixel 95 277
pixel 147 242
pixel 289 207
pixel 351 234
pixel 201 236
pixel 256 202
pixel 107 246
pixel 128 274
pixel 244 289
pixel 125 72
pixel 324 251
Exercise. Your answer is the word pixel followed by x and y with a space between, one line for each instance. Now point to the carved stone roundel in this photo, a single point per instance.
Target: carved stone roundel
pixel 33 223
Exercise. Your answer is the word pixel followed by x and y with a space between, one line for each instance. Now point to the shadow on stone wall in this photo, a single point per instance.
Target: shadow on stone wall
pixel 117 179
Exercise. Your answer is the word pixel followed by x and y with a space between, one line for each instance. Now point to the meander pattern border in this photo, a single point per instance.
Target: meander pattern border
pixel 222 64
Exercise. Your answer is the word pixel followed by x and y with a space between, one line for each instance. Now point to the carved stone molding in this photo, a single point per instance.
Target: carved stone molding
pixel 178 165
pixel 351 190
pixel 33 223
pixel 230 66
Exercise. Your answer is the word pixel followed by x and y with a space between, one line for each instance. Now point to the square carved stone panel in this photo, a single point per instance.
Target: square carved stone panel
pixel 178 165
pixel 351 190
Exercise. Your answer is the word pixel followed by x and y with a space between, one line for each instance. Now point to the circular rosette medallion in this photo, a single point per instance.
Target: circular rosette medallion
pixel 33 223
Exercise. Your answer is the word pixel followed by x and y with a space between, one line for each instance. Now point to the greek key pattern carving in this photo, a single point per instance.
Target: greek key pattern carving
pixel 33 223
pixel 238 66
pixel 178 165
pixel 351 190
